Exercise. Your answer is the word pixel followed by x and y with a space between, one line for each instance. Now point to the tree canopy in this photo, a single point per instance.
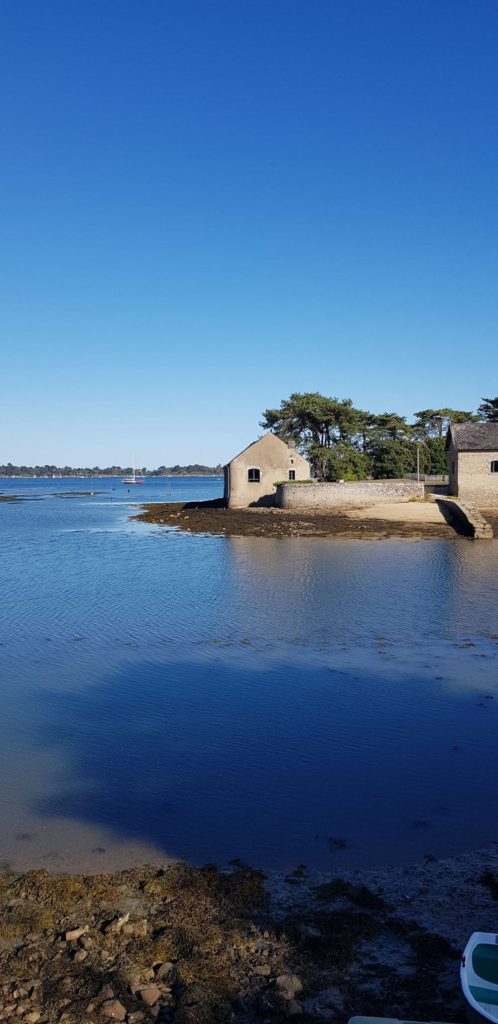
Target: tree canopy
pixel 488 409
pixel 435 422
pixel 346 443
pixel 9 470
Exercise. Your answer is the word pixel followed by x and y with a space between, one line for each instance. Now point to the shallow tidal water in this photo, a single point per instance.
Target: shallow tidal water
pixel 282 701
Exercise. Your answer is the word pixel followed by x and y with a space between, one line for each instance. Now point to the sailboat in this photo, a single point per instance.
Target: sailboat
pixel 133 479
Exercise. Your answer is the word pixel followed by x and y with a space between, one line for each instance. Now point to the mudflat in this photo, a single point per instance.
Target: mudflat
pixel 404 520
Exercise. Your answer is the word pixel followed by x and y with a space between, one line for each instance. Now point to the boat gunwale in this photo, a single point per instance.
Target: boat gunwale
pixel 468 974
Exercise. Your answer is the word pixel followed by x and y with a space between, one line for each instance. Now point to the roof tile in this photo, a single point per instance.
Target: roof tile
pixel 474 437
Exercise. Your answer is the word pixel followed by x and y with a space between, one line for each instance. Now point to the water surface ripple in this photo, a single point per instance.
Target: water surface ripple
pixel 285 701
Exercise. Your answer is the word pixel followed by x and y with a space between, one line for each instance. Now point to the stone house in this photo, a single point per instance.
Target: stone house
pixel 473 462
pixel 251 477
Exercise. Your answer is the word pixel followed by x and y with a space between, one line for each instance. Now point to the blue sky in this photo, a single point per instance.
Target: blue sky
pixel 209 204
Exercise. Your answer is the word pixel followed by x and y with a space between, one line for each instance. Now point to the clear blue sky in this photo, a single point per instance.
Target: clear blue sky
pixel 208 204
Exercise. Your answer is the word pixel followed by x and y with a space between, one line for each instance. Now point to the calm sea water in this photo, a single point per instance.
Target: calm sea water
pixel 283 701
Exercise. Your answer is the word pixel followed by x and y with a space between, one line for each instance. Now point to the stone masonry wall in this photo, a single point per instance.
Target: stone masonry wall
pixel 274 460
pixel 475 482
pixel 475 524
pixel 352 495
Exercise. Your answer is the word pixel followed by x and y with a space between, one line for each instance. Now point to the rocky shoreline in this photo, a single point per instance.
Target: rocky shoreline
pixel 199 945
pixel 213 518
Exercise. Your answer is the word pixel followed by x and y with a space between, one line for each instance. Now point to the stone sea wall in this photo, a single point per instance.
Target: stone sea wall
pixel 349 494
pixel 472 520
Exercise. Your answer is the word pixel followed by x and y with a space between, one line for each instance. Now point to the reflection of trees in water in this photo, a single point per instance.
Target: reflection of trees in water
pixel 351 590
pixel 470 587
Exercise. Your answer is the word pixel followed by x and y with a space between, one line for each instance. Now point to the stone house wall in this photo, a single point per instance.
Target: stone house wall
pixel 350 494
pixel 273 460
pixel 473 480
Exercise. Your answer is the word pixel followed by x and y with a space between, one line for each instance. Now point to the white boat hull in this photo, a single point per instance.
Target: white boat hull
pixel 479 977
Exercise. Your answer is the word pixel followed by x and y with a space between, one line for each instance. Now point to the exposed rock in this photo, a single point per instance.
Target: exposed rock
pixel 75 934
pixel 114 927
pixel 288 985
pixel 150 995
pixel 162 970
pixel 113 1010
pixel 202 956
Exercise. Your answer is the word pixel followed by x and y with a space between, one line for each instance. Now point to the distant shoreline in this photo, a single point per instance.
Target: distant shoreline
pixel 116 476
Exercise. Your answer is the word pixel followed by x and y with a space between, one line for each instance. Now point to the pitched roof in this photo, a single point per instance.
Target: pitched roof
pixel 474 437
pixel 264 437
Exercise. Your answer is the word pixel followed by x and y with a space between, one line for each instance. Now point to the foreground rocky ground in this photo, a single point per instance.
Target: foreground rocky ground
pixel 213 517
pixel 195 946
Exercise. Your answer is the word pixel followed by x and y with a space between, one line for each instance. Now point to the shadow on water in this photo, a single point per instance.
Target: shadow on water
pixel 209 762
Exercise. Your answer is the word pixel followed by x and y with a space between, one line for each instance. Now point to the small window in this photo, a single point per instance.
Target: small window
pixel 292 474
pixel 494 466
pixel 253 476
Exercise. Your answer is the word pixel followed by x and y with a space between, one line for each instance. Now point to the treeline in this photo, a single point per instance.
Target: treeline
pixel 84 471
pixel 346 443
pixel 194 470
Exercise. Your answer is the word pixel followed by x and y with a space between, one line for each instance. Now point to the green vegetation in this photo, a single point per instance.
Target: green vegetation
pixel 346 443
pixel 10 470
pixel 341 441
pixel 489 409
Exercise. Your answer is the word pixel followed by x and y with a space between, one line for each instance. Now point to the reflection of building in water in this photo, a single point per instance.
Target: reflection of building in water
pixel 471 598
pixel 275 583
pixel 334 590
pixel 310 586
pixel 251 476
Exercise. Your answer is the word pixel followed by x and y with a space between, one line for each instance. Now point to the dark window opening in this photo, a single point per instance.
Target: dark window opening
pixel 494 466
pixel 292 474
pixel 253 476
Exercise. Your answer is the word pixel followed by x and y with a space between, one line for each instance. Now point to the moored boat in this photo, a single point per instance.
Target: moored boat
pixel 479 977
pixel 133 479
